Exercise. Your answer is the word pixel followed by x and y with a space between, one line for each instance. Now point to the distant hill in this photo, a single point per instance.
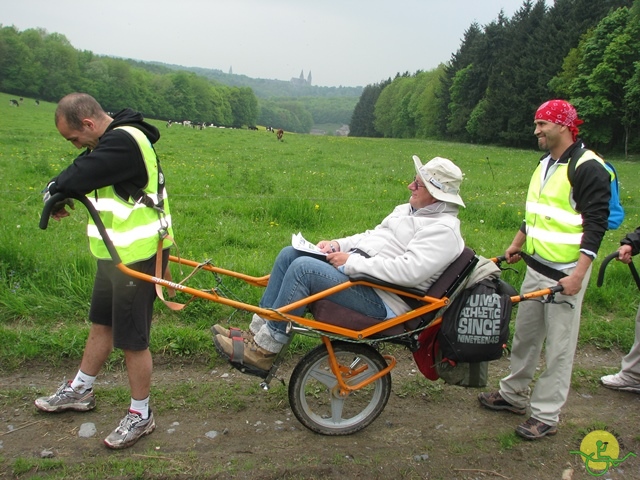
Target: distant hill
pixel 262 87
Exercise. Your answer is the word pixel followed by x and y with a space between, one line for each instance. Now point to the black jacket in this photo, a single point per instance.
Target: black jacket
pixel 115 160
pixel 632 239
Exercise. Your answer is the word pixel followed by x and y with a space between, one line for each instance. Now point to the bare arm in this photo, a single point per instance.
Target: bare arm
pixel 512 253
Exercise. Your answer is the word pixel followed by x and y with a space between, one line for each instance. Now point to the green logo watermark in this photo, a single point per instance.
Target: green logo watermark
pixel 600 451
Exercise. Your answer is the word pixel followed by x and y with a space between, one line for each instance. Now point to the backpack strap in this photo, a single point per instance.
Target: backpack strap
pixel 139 196
pixel 577 154
pixel 573 162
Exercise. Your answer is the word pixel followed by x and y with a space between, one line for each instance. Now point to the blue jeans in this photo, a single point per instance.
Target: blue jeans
pixel 296 275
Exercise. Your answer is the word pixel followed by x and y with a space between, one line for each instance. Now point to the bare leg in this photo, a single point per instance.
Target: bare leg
pixel 139 367
pixel 99 346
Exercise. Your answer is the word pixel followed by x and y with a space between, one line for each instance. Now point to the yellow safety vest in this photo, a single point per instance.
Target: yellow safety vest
pixel 133 227
pixel 553 226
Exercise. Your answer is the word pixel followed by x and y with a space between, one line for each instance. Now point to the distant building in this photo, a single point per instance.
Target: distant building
pixel 230 70
pixel 343 131
pixel 301 80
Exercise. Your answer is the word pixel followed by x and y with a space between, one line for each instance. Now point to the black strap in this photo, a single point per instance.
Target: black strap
pixel 573 161
pixel 138 195
pixel 541 268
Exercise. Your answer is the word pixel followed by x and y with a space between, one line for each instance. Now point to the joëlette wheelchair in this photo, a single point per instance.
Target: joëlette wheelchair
pixel 341 386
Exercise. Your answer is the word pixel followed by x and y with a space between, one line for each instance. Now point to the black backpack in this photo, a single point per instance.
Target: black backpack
pixel 475 327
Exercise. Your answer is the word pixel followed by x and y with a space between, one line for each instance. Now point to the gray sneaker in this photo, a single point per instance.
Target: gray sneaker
pixel 618 382
pixel 131 428
pixel 66 398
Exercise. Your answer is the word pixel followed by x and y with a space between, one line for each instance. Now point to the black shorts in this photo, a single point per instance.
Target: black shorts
pixel 125 303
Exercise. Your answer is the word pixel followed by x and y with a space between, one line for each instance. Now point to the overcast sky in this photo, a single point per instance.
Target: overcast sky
pixel 341 42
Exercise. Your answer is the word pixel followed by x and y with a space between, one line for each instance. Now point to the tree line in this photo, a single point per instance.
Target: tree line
pixel 45 66
pixel 584 51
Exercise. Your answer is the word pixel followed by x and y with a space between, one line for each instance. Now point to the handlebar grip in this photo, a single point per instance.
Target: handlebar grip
pixel 556 288
pixel 48 207
pixel 605 262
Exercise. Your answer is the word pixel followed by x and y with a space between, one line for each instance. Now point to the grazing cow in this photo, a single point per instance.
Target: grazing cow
pixel 37 102
pixel 14 103
pixel 252 127
pixel 280 134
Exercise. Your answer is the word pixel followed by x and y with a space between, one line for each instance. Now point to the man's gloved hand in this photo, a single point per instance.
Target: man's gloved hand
pixel 59 209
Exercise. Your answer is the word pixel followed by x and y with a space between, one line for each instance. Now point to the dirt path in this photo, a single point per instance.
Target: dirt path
pixel 427 430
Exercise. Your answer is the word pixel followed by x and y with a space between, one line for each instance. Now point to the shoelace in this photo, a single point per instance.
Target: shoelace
pixel 63 389
pixel 66 388
pixel 128 422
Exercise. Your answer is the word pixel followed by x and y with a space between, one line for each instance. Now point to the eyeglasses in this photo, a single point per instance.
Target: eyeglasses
pixel 415 182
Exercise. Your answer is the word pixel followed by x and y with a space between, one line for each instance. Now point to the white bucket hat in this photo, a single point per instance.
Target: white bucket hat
pixel 442 178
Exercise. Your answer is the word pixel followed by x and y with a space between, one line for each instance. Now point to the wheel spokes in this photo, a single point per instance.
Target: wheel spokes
pixel 324 376
pixel 337 406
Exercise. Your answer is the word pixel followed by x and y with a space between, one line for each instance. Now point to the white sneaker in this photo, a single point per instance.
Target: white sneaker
pixel 131 428
pixel 617 382
pixel 66 398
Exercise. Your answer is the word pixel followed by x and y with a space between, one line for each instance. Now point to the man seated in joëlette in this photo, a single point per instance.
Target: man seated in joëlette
pixel 411 247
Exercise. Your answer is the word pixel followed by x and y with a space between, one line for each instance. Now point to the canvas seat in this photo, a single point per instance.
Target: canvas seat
pixel 327 311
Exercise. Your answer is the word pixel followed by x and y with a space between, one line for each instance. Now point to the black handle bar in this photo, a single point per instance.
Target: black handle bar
pixel 58 197
pixel 48 207
pixel 556 288
pixel 605 262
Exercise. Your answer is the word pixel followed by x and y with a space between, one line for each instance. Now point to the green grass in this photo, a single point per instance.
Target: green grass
pixel 420 388
pixel 237 196
pixel 507 440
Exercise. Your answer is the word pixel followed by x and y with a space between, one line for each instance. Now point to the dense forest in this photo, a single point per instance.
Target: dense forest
pixel 45 66
pixel 585 51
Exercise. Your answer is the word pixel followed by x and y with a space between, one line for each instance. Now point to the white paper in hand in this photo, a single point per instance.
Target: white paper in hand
pixel 299 243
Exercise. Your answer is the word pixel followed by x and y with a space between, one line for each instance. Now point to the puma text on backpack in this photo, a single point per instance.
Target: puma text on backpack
pixel 475 327
pixel 616 212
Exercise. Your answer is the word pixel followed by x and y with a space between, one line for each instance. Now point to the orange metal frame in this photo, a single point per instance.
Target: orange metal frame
pixel 341 372
pixel 281 314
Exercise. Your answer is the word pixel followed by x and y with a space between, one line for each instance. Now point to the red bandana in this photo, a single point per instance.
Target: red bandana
pixel 560 112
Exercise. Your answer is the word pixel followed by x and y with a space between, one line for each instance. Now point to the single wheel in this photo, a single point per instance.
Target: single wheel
pixel 314 393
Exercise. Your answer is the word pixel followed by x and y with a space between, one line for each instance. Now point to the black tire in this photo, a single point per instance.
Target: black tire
pixel 312 387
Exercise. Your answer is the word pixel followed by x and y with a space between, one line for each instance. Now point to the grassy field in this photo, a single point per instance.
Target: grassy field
pixel 237 196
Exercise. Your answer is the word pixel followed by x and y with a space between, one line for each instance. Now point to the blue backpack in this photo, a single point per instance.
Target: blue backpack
pixel 616 212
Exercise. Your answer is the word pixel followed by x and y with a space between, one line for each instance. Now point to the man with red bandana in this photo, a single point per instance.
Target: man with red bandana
pixel 559 239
